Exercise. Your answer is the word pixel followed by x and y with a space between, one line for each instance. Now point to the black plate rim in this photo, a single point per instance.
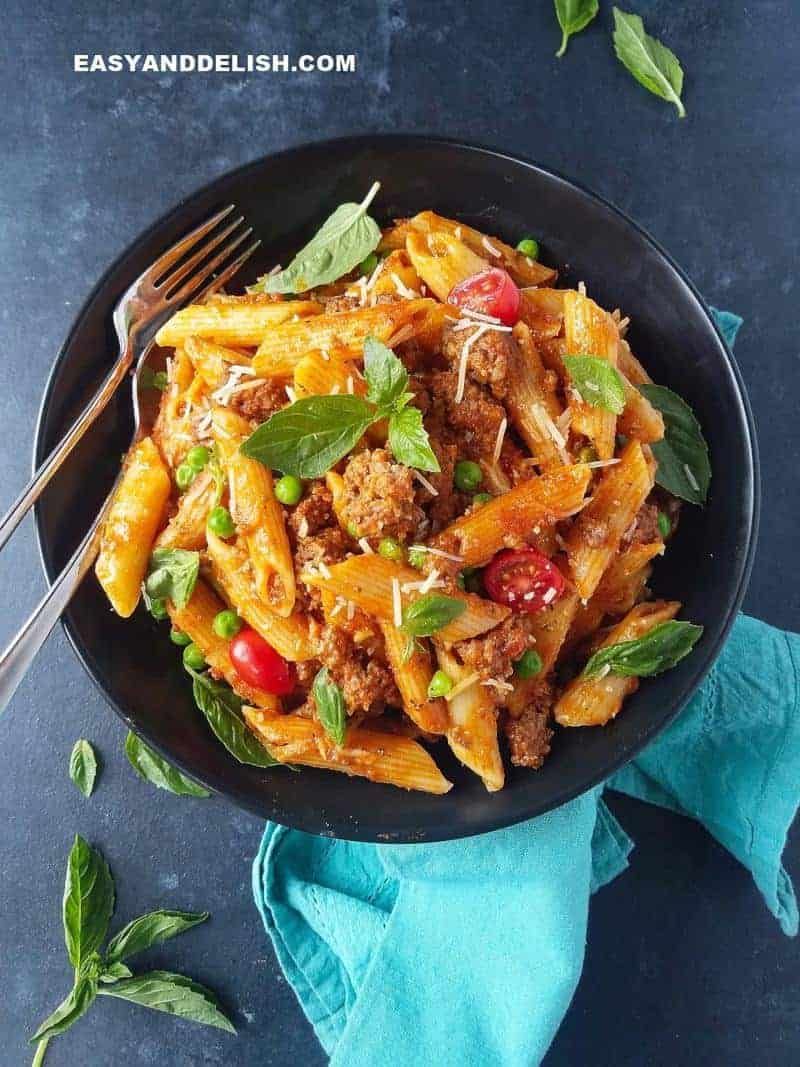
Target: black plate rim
pixel 751 485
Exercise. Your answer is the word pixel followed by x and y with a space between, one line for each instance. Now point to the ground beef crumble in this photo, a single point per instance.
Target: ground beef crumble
pixel 489 356
pixel 644 528
pixel 378 497
pixel 313 513
pixel 529 736
pixel 260 402
pixel 474 422
pixel 493 654
pixel 365 678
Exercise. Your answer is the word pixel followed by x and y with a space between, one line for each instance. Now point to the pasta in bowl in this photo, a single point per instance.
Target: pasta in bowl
pixel 406 493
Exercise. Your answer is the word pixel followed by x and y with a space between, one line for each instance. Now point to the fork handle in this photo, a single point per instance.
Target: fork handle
pixel 32 491
pixel 20 653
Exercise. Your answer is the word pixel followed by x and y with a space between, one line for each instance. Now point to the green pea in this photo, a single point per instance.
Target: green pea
pixel 390 548
pixel 193 657
pixel 197 457
pixel 184 476
pixel 528 665
pixel 481 498
pixel 439 685
pixel 664 525
pixel 529 247
pixel 160 380
pixel 352 529
pixel 178 637
pixel 158 608
pixel 467 476
pixel 368 265
pixel 227 624
pixel 220 522
pixel 587 454
pixel 288 490
pixel 416 557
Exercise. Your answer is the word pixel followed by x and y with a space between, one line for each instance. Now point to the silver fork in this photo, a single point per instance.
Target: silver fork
pixel 171 282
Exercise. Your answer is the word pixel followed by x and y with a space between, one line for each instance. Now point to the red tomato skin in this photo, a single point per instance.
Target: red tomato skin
pixel 521 578
pixel 490 292
pixel 258 664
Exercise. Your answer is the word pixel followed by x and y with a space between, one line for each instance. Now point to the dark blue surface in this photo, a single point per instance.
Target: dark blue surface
pixel 684 965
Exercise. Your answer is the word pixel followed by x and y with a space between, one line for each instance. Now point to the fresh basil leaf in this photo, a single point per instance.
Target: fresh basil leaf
pixel 307 438
pixel 430 613
pixel 346 237
pixel 156 770
pixel 386 376
pixel 573 16
pixel 113 972
pixel 83 766
pixel 409 441
pixel 172 993
pixel 661 648
pixel 651 63
pixel 598 383
pixel 223 711
pixel 151 929
pixel 684 468
pixel 173 575
pixel 331 710
pixel 76 1003
pixel 88 901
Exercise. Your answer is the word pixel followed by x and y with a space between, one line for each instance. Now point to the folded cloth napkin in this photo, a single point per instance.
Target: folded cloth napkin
pixel 396 952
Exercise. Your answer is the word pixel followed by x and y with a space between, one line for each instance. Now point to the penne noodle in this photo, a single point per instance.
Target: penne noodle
pixel 213 362
pixel 590 331
pixel 533 405
pixel 472 733
pixel 232 324
pixel 619 589
pixel 595 536
pixel 232 573
pixel 511 519
pixel 413 677
pixel 542 311
pixel 187 527
pixel 377 755
pixel 316 375
pixel 368 582
pixel 640 419
pixel 136 513
pixel 442 261
pixel 630 366
pixel 595 702
pixel 196 619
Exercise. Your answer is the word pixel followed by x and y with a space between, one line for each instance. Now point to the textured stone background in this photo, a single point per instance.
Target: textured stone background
pixel 684 965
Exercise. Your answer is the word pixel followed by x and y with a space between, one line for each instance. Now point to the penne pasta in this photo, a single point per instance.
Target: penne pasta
pixel 213 362
pixel 533 404
pixel 442 261
pixel 542 311
pixel 371 581
pixel 640 419
pixel 590 331
pixel 319 374
pixel 472 733
pixel 232 324
pixel 512 518
pixel 594 702
pixel 379 756
pixel 187 527
pixel 136 513
pixel 413 676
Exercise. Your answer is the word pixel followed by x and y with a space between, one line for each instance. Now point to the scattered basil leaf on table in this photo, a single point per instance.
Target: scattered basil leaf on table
pixel 331 710
pixel 172 575
pixel 344 240
pixel 311 435
pixel 223 711
pixel 83 766
pixel 651 63
pixel 573 16
pixel 657 651
pixel 88 903
pixel 172 993
pixel 148 930
pixel 684 468
pixel 597 382
pixel 156 770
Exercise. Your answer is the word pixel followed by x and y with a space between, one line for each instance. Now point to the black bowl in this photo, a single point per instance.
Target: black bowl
pixel 285 197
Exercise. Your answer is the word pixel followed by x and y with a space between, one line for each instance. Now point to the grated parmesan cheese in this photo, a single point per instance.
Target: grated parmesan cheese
pixel 499 685
pixel 423 481
pixel 690 478
pixel 462 363
pixel 291 394
pixel 487 244
pixel 457 232
pixel 365 546
pixel 550 595
pixel 302 529
pixel 597 463
pixel 324 569
pixel 397 603
pixel 350 383
pixel 335 389
pixel 402 288
pixel 437 552
pixel 498 445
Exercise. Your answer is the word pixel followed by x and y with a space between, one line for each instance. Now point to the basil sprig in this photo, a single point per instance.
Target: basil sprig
pixel 309 437
pixel 331 710
pixel 684 468
pixel 223 711
pixel 155 769
pixel 661 648
pixel 83 766
pixel 651 63
pixel 344 240
pixel 88 904
pixel 597 382
pixel 172 575
pixel 573 16
pixel 426 616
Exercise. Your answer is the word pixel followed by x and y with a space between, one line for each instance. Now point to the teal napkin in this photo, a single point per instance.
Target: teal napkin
pixel 397 951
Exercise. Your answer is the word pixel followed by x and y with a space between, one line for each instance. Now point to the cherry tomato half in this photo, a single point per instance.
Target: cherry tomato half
pixel 523 579
pixel 491 292
pixel 258 664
